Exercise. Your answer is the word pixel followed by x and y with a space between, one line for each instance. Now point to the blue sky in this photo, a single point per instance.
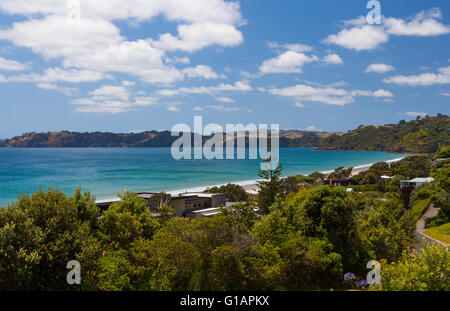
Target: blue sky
pixel 138 65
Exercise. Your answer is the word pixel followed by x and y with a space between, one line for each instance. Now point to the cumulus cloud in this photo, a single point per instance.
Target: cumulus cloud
pixel 225 99
pixel 112 99
pixel 110 92
pixel 425 79
pixel 11 65
pixel 422 24
pixel 194 37
pixel 93 42
pixel 296 47
pixel 330 96
pixel 201 71
pixel 333 59
pixel 222 108
pixel 287 62
pixel 68 91
pixel 52 75
pixel 359 36
pixel 379 68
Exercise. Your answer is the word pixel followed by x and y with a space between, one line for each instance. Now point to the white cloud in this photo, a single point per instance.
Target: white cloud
pixel 333 59
pixel 422 24
pixel 112 99
pixel 181 60
pixel 173 109
pixel 94 43
pixel 198 109
pixel 110 92
pixel 379 68
pixel 414 114
pixel 201 71
pixel 447 94
pixel 52 75
pixel 173 10
pixel 311 128
pixel 89 105
pixel 223 108
pixel 174 106
pixel 288 62
pixel 68 91
pixel 297 47
pixel 298 104
pixel 359 38
pixel 425 79
pixel 168 93
pixel 11 65
pixel 330 96
pixel 225 99
pixel 194 37
pixel 239 86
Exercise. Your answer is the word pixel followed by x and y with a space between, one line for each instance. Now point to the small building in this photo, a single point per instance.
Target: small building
pixel 183 203
pixel 416 182
pixel 337 182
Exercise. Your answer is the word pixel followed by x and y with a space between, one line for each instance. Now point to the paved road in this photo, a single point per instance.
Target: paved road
pixel 420 228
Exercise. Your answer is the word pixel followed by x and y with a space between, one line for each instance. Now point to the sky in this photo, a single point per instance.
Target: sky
pixel 136 65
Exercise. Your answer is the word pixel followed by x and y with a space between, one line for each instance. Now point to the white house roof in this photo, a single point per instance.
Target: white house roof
pixel 420 180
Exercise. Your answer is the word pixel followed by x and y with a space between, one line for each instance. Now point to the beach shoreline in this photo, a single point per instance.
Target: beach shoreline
pixel 252 185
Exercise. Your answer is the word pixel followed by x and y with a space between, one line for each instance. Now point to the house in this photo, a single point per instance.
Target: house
pixel 416 182
pixel 183 204
pixel 337 182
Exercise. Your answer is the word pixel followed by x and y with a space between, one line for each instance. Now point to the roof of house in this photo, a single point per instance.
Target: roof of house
pixel 420 180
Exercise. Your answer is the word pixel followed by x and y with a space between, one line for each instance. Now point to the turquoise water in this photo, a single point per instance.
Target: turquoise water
pixel 106 171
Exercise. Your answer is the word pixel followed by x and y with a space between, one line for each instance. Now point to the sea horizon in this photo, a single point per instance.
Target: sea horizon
pixel 108 171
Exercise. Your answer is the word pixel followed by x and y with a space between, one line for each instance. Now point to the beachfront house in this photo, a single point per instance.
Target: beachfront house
pixel 416 182
pixel 337 182
pixel 183 204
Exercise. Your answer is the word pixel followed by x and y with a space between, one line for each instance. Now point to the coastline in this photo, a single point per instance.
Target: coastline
pixel 251 186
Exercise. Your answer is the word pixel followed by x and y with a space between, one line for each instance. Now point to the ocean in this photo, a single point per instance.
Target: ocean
pixel 107 171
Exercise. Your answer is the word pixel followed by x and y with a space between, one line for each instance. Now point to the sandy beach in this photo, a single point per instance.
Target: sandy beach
pixel 251 186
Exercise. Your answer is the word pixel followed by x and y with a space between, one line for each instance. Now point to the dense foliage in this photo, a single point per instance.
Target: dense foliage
pixel 306 236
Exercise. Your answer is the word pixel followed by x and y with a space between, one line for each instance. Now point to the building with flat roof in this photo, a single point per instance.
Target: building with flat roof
pixel 416 182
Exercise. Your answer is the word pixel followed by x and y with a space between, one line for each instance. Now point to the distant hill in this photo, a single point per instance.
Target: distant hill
pixel 132 140
pixel 425 135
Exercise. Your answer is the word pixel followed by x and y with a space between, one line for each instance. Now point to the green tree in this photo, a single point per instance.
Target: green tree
pixel 425 270
pixel 269 186
pixel 39 235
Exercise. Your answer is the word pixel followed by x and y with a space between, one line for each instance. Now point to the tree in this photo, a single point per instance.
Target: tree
pixel 270 186
pixel 385 229
pixel 341 173
pixel 158 200
pixel 425 270
pixel 227 269
pixel 290 184
pixel 39 235
pixel 444 153
pixel 330 213
pixel 234 193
